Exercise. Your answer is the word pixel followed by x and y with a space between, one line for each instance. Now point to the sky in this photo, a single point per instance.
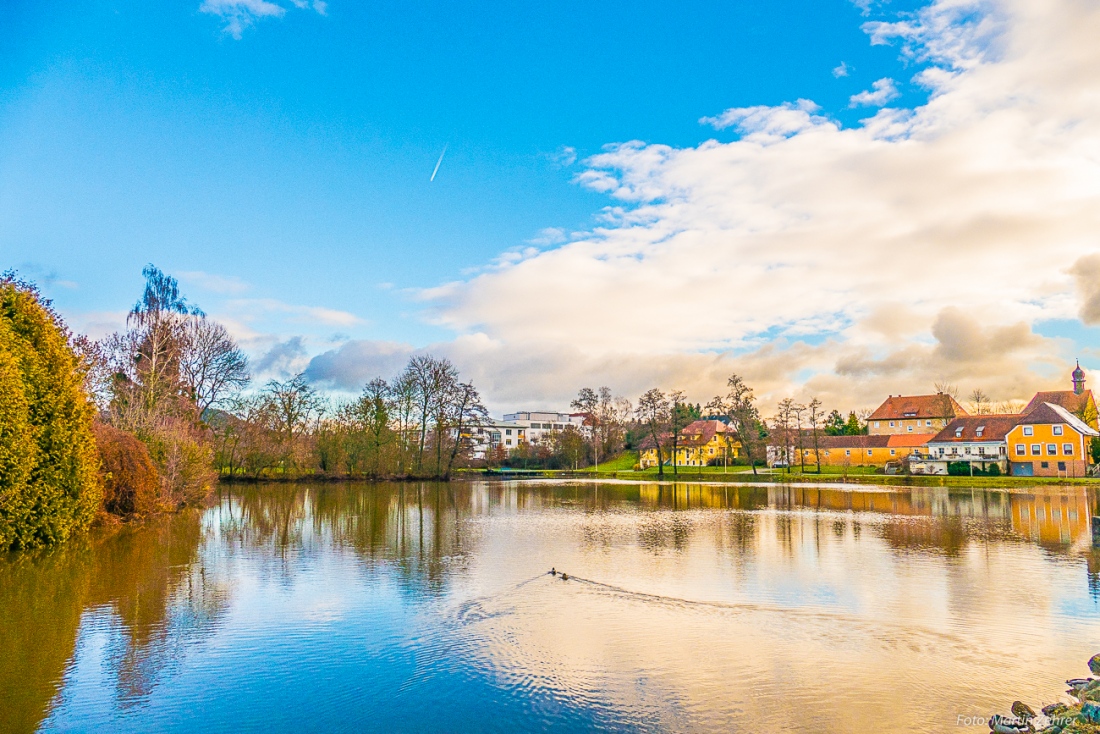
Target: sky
pixel 832 198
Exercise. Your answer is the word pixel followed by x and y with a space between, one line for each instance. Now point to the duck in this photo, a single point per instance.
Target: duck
pixel 553 571
pixel 564 576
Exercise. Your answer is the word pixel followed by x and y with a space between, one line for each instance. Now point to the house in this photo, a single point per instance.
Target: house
pixel 863 450
pixel 1049 441
pixel 1078 401
pixel 977 440
pixel 915 414
pixel 490 434
pixel 537 424
pixel 701 443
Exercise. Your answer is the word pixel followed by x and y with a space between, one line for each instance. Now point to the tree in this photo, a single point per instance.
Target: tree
pixel 211 364
pixel 653 411
pixel 946 395
pixel 853 426
pixel 49 482
pixel 783 426
pixel 464 412
pixel 739 405
pixel 680 416
pixel 834 424
pixel 798 409
pixel 814 408
pixel 291 405
pixel 980 403
pixel 588 402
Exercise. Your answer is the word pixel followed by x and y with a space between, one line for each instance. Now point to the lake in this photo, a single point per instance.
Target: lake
pixel 428 607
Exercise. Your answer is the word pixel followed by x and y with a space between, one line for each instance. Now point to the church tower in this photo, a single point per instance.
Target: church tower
pixel 1078 380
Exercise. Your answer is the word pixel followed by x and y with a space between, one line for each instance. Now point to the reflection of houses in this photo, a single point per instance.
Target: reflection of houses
pixel 1050 442
pixel 701 443
pixel 1054 518
pixel 913 414
pixel 976 440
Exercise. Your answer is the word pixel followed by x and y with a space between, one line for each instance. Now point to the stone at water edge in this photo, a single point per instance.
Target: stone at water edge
pixel 1054 709
pixel 1007 725
pixel 1094 664
pixel 1022 710
pixel 1090 711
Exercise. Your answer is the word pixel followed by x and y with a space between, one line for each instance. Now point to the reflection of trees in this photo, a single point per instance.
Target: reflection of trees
pixel 147 576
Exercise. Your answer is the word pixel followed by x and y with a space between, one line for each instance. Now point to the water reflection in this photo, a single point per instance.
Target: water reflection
pixel 423 604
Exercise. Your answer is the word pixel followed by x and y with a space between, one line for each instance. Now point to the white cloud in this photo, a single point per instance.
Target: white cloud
pixel 549 236
pixel 241 14
pixel 922 243
pixel 841 70
pixel 881 92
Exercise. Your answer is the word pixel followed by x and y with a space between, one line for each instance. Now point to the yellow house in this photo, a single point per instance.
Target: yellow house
pixel 913 414
pixel 855 450
pixel 701 443
pixel 1049 441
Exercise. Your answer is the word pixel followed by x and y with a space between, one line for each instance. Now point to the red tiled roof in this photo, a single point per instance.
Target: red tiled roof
pixel 994 428
pixel 1066 398
pixel 909 440
pixel 901 407
pixel 697 433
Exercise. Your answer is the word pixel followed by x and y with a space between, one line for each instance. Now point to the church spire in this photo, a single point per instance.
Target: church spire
pixel 1078 379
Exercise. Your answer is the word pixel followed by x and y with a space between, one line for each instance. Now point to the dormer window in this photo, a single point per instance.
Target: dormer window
pixel 978 431
pixel 959 433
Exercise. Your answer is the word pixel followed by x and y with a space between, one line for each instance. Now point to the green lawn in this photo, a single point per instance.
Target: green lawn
pixel 623 462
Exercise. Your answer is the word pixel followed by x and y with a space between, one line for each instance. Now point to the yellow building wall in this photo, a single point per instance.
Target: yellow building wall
pixel 858 456
pixel 713 450
pixel 1075 461
pixel 904 425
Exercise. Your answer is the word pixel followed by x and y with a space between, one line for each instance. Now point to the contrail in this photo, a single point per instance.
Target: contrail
pixel 437 163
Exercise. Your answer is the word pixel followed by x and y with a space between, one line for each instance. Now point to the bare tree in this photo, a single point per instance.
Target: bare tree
pixel 783 424
pixel 588 402
pixel 815 416
pixel 653 411
pixel 292 406
pixel 211 364
pixel 946 395
pixel 798 409
pixel 980 403
pixel 678 419
pixel 739 405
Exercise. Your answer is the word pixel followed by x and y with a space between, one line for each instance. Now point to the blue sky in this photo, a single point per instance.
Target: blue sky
pixel 283 175
pixel 297 158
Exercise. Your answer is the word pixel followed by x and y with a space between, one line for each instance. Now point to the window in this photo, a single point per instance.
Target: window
pixel 891 424
pixel 1052 449
pixel 876 424
pixel 1044 465
pixel 928 423
pixel 1036 449
pixel 893 452
pixel 1020 449
pixel 826 452
pixel 847 452
pixel 966 450
pixel 509 442
pixel 1061 466
pixel 981 450
pixel 508 431
pixel 1067 449
pixel 1029 430
pixel 978 432
pixel 958 433
pixel 868 452
pixel 1057 430
pixel 909 428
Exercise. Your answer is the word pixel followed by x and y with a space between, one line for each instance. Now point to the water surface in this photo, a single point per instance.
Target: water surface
pixel 422 608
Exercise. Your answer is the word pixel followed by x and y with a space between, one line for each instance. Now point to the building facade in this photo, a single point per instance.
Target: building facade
pixel 977 441
pixel 1050 442
pixel 914 414
pixel 701 443
pixel 537 424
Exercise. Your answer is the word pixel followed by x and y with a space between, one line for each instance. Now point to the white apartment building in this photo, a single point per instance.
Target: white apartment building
pixel 491 434
pixel 537 424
